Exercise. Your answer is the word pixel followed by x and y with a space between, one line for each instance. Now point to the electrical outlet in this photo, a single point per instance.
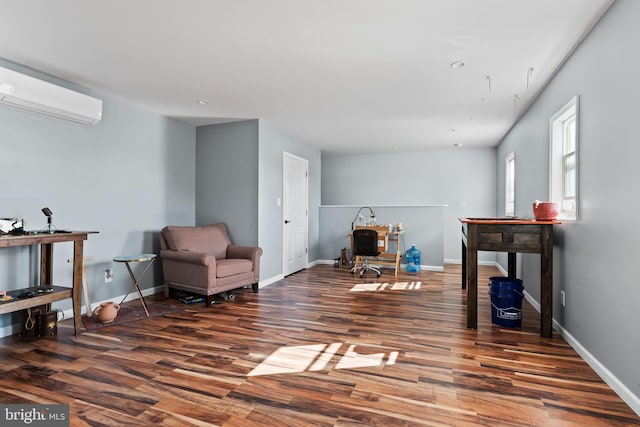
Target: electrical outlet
pixel 108 275
pixel 563 298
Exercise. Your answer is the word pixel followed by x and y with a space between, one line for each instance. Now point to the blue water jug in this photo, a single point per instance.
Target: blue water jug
pixel 413 259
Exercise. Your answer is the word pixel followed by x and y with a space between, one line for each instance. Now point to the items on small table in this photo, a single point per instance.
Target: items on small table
pixel 127 259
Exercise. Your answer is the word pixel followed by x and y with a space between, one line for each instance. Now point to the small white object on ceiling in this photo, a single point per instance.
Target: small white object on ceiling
pixel 529 73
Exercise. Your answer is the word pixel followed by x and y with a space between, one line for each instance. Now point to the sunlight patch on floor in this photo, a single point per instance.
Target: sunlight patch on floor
pixel 377 287
pixel 316 357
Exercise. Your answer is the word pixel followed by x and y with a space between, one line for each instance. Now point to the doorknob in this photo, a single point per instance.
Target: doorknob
pixel 286 221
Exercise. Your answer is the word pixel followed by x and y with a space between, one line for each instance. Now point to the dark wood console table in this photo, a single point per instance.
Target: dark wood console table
pixel 512 236
pixel 46 241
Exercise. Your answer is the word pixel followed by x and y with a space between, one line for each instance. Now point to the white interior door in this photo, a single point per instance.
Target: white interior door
pixel 295 212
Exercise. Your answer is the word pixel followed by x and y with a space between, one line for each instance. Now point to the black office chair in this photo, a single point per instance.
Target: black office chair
pixel 365 246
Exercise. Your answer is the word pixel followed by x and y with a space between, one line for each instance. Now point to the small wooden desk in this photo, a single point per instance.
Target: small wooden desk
pixel 512 236
pixel 384 258
pixel 46 241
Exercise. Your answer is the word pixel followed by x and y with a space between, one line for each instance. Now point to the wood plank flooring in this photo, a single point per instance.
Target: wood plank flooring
pixel 319 348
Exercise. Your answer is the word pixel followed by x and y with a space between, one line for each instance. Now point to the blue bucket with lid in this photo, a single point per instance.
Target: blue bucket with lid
pixel 506 301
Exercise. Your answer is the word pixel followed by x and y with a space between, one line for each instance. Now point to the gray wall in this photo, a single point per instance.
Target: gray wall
pixel 273 144
pixel 227 178
pixel 127 177
pixel 593 256
pixel 456 178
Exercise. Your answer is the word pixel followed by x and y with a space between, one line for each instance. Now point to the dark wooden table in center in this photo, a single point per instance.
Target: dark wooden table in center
pixel 509 235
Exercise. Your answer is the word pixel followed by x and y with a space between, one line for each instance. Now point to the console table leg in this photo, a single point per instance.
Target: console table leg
pixel 546 282
pixel 464 265
pixel 78 246
pixel 472 289
pixel 46 268
pixel 472 277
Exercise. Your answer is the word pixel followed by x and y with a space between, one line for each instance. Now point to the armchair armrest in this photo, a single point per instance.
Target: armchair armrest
pixel 188 257
pixel 243 252
pixel 252 253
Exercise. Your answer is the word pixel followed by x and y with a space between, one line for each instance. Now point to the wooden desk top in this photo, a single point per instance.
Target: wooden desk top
pixel 507 221
pixel 382 230
pixel 37 238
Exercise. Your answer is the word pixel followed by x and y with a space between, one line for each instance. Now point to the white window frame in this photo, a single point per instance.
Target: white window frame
pixel 510 184
pixel 563 190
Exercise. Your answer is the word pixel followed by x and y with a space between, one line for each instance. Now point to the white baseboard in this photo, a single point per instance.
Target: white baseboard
pixel 607 376
pixel 269 281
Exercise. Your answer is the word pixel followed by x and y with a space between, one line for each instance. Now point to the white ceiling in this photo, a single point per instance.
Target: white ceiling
pixel 342 75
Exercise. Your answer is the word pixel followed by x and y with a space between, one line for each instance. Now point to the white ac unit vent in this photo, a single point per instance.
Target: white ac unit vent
pixel 28 93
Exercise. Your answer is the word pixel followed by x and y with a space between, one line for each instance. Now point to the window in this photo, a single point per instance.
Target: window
pixel 564 160
pixel 510 185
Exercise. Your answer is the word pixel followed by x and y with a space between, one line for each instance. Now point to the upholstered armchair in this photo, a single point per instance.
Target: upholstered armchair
pixel 203 260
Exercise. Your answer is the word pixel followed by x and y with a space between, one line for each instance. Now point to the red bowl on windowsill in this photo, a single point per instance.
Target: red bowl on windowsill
pixel 546 211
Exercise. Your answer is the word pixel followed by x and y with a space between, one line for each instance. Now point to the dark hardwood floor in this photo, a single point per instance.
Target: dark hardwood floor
pixel 317 348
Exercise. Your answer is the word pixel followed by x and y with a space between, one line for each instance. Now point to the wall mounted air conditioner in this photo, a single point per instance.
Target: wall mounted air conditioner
pixel 22 91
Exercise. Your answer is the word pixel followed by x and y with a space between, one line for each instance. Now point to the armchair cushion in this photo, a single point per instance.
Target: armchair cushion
pixel 231 267
pixel 207 239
